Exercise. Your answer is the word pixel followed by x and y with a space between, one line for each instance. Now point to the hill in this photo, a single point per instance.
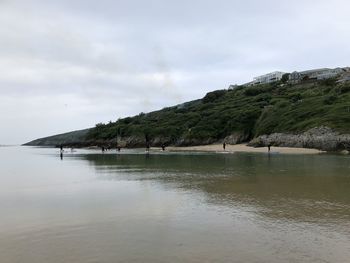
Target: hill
pixel 69 138
pixel 234 115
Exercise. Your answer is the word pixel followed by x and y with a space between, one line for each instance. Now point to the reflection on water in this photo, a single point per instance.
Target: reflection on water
pixel 132 207
pixel 302 187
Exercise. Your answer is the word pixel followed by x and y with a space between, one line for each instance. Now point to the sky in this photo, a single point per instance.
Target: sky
pixel 69 64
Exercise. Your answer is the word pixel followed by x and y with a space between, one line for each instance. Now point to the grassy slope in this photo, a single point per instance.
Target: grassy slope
pixel 249 111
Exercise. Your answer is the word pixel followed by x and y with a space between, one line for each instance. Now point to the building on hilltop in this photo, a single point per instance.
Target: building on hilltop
pixel 314 74
pixel 345 76
pixel 232 87
pixel 296 77
pixel 344 79
pixel 267 78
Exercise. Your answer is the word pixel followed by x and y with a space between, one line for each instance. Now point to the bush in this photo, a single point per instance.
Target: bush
pixel 329 99
pixel 213 96
pixel 285 78
pixel 329 82
pixel 263 98
pixel 295 97
pixel 344 88
pixel 253 91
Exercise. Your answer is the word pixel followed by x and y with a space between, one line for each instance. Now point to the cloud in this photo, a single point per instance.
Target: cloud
pixel 109 59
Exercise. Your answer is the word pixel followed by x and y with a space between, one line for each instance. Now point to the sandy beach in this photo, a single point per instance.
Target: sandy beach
pixel 244 148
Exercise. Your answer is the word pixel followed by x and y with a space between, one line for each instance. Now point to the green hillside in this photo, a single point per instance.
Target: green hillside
pixel 244 112
pixel 247 111
pixel 70 138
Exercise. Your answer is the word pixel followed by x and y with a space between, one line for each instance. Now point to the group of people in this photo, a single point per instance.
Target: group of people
pixel 148 146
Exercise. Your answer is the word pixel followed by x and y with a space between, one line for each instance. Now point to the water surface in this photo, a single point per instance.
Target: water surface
pixel 162 207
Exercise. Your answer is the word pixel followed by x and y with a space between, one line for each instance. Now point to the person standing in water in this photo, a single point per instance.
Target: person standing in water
pixel 61 152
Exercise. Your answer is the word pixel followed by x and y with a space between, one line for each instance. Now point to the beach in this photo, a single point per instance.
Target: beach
pixel 244 148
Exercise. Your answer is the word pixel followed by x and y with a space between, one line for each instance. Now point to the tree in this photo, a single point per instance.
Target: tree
pixel 285 78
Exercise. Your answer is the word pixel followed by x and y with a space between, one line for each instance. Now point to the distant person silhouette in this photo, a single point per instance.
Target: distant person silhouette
pixel 269 147
pixel 163 147
pixel 224 146
pixel 61 152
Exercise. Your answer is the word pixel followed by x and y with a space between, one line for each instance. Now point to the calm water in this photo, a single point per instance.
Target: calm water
pixel 93 207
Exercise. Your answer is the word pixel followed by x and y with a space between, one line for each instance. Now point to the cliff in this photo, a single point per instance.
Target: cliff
pixel 322 138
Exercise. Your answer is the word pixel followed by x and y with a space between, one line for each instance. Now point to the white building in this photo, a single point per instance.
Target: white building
pixel 296 77
pixel 268 78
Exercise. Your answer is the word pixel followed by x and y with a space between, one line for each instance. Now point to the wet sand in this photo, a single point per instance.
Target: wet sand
pixel 244 148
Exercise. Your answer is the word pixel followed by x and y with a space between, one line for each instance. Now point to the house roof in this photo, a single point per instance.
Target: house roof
pixel 313 70
pixel 269 74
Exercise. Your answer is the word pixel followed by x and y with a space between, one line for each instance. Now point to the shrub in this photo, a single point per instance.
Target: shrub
pixel 253 91
pixel 285 78
pixel 345 88
pixel 329 82
pixel 295 97
pixel 329 99
pixel 213 96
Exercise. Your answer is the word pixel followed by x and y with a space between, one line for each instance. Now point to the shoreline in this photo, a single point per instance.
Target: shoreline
pixel 243 148
pixel 217 148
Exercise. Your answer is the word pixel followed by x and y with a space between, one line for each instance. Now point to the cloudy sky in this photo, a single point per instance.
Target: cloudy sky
pixel 69 64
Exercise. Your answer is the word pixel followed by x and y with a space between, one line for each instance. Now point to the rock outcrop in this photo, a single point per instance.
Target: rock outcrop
pixel 237 137
pixel 322 138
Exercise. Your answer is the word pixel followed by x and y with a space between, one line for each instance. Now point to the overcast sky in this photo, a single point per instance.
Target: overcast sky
pixel 69 64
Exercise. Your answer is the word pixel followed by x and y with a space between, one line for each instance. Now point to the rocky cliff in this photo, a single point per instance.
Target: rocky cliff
pixel 322 138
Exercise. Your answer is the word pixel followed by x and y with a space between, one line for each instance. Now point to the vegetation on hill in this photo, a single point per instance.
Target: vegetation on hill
pixel 246 112
pixel 70 138
pixel 249 111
